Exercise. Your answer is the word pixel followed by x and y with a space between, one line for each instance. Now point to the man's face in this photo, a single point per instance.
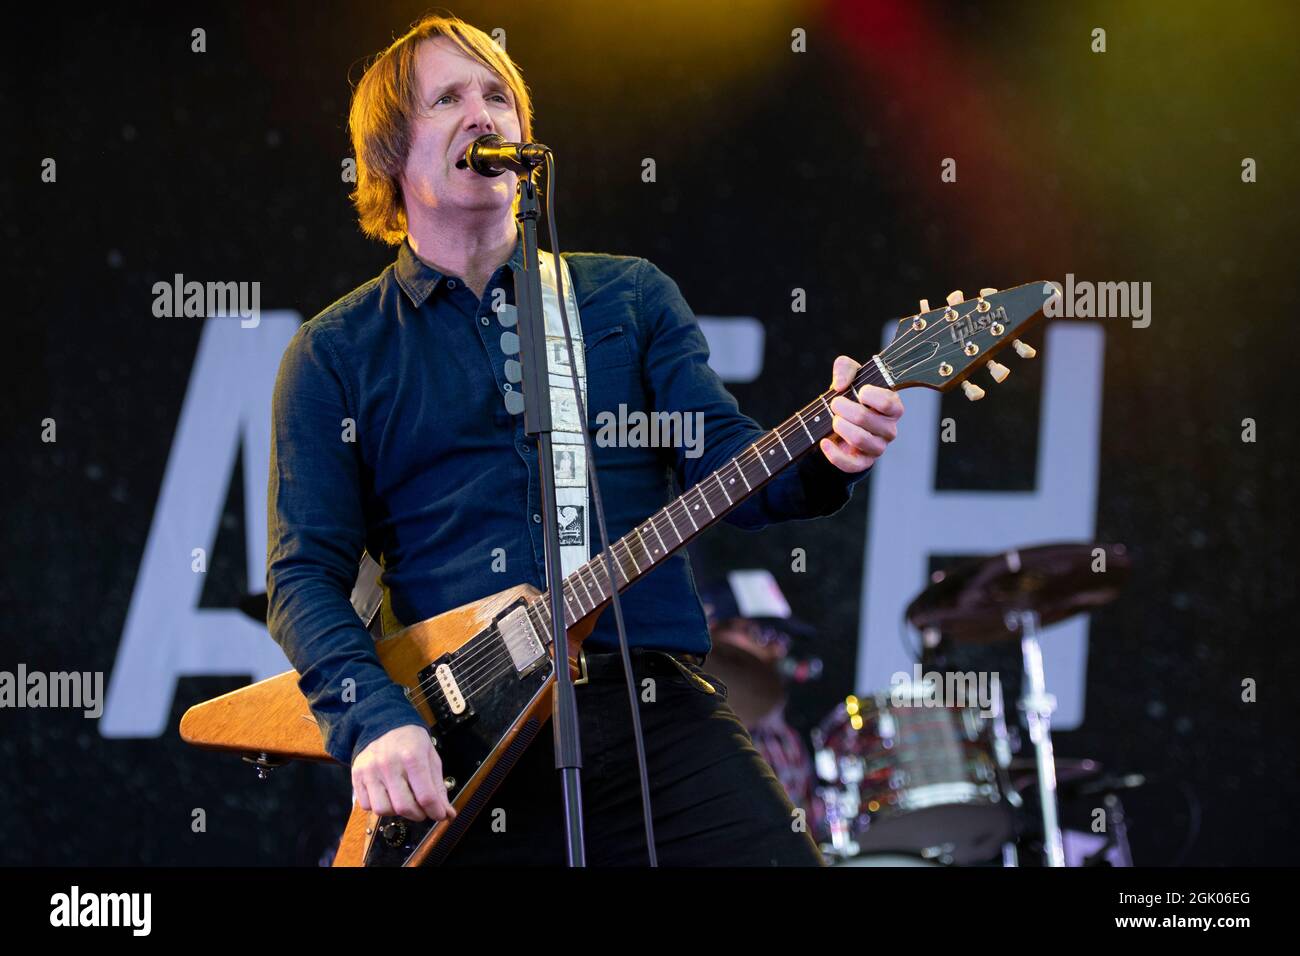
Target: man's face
pixel 459 100
pixel 760 640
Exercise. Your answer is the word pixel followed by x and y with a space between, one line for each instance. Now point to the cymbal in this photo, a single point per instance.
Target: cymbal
pixel 1069 772
pixel 969 602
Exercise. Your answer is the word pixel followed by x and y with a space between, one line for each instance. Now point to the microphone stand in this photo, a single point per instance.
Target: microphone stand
pixel 537 422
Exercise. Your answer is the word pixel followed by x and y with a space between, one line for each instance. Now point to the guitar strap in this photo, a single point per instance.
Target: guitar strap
pixel 570 454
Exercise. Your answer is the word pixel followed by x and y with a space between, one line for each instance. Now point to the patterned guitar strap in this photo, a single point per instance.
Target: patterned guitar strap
pixel 571 490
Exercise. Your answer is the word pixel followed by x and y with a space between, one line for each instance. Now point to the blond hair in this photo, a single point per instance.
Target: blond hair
pixel 384 103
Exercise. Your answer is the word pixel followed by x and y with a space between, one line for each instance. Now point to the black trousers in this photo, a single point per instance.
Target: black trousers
pixel 715 801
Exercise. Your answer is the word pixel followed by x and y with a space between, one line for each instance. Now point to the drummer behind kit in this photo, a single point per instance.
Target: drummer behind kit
pixel 752 633
pixel 912 776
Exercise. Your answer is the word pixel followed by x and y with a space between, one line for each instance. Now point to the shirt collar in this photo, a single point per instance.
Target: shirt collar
pixel 418 279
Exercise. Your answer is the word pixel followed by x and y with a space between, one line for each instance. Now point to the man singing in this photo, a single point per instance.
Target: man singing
pixel 390 434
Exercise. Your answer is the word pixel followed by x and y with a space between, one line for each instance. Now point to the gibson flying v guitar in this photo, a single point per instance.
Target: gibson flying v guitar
pixel 480 674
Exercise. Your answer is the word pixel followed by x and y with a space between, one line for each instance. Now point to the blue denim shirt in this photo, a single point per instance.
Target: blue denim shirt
pixel 390 433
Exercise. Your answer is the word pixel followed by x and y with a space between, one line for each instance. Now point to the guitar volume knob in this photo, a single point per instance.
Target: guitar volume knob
pixel 394 832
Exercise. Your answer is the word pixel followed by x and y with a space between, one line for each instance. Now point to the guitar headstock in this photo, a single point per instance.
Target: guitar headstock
pixel 942 348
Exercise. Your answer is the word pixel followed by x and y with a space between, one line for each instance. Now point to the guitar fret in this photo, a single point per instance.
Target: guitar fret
pixel 688 513
pixel 669 515
pixel 596 568
pixel 782 441
pixel 585 588
pixel 628 548
pixel 655 529
pixel 717 476
pixel 705 499
pixel 828 407
pixel 760 458
pixel 534 614
pixel 572 604
pixel 742 475
pixel 799 415
pixel 541 619
pixel 618 564
pixel 648 555
pixel 598 564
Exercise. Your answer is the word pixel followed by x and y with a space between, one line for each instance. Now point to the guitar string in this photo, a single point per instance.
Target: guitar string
pixel 496 652
pixel 703 490
pixel 478 662
pixel 491 657
pixel 484 666
pixel 678 506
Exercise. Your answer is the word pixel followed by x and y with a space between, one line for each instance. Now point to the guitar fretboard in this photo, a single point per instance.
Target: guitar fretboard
pixel 687 516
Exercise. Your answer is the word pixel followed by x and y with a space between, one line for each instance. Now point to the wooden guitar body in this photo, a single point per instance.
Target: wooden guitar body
pixel 483 713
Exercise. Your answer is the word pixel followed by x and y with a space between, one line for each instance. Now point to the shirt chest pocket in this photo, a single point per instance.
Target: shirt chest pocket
pixel 607 349
pixel 613 373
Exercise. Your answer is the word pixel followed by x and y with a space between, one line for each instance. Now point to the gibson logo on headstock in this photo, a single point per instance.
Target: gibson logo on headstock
pixel 968 325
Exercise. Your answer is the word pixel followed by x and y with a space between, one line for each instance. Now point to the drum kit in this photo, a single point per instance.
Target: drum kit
pixel 927 773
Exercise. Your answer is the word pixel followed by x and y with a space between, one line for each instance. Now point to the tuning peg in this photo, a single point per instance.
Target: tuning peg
pixel 955 297
pixel 984 292
pixel 973 391
pixel 998 371
pixel 1023 350
pixel 925 305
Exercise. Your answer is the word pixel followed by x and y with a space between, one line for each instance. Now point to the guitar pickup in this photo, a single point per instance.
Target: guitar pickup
pixel 521 640
pixel 443 693
pixel 450 689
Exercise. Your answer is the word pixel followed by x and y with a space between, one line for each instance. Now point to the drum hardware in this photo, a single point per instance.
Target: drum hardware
pixel 1014 595
pixel 264 764
pixel 935 783
pixel 1037 705
pixel 887 859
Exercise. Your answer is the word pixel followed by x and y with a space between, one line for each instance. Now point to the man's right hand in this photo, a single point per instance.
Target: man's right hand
pixel 401 773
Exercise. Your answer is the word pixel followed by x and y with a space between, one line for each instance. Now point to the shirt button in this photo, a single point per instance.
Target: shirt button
pixel 451 283
pixel 508 387
pixel 483 320
pixel 537 519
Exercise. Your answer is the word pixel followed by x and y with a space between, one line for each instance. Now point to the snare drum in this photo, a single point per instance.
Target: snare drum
pixel 884 859
pixel 899 774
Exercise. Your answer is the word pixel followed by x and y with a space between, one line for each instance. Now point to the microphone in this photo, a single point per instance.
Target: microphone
pixel 491 155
